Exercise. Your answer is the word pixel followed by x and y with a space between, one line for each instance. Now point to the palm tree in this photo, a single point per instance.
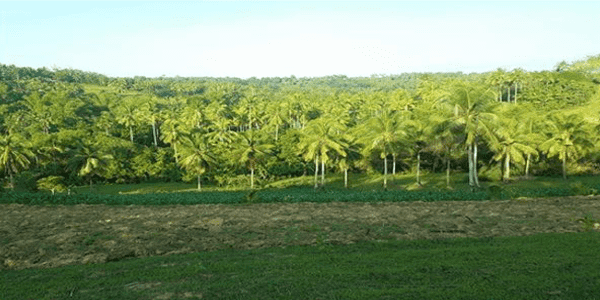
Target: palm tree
pixel 470 105
pixel 511 144
pixel 320 137
pixel 172 134
pixel 127 116
pixel 195 155
pixel 88 160
pixel 149 113
pixel 249 150
pixel 569 138
pixel 14 155
pixel 381 134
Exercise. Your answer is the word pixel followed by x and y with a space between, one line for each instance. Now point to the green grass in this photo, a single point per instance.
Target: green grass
pixel 543 266
pixel 431 182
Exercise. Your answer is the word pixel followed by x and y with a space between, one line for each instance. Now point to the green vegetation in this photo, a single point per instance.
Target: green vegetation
pixel 367 189
pixel 65 128
pixel 543 266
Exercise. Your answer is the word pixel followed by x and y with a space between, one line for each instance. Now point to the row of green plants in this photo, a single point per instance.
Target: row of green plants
pixel 296 195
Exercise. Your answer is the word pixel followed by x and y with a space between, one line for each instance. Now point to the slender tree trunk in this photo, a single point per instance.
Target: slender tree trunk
pixel 564 166
pixel 251 178
pixel 316 172
pixel 131 133
pixel 322 172
pixel 470 159
pixel 175 151
pixel 345 178
pixel 385 171
pixel 527 165
pixel 475 165
pixel 516 90
pixel 199 184
pixel 12 180
pixel 90 184
pixel 419 168
pixel 154 134
pixel 394 164
pixel 508 90
pixel 448 172
pixel 507 167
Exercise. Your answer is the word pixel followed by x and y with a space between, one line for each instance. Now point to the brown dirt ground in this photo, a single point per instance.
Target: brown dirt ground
pixel 53 236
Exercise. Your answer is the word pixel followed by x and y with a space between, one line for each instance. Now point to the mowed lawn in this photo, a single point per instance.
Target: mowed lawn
pixel 543 266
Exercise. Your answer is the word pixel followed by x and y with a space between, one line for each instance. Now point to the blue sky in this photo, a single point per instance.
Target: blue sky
pixel 301 38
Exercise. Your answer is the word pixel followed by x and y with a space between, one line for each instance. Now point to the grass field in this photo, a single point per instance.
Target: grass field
pixel 357 182
pixel 544 266
pixel 537 266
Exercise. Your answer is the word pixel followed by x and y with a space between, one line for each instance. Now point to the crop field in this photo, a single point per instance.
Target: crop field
pixel 53 236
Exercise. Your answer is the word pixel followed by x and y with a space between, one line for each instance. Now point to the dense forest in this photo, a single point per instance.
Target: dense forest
pixel 63 127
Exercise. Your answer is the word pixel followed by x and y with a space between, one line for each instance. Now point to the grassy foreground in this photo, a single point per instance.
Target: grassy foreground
pixel 543 266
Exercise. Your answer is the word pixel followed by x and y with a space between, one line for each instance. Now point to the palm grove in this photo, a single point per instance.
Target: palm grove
pixel 61 128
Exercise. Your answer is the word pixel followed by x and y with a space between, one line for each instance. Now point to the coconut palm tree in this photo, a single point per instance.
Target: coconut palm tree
pixel 249 150
pixel 196 156
pixel 511 144
pixel 471 105
pixel 319 139
pixel 569 137
pixel 88 160
pixel 14 155
pixel 381 134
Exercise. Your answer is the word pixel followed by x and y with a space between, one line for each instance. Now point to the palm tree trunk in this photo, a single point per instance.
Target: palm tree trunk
pixel 394 164
pixel 154 134
pixel 345 178
pixel 448 172
pixel 131 133
pixel 316 171
pixel 176 156
pixel 507 167
pixel 470 159
pixel 12 180
pixel 516 90
pixel 419 168
pixel 564 167
pixel 475 165
pixel 527 165
pixel 322 172
pixel 385 172
pixel 199 184
pixel 251 178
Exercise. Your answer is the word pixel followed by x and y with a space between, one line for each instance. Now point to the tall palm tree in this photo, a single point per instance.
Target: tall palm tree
pixel 88 160
pixel 568 136
pixel 511 143
pixel 195 155
pixel 171 133
pixel 381 134
pixel 320 138
pixel 250 149
pixel 14 155
pixel 127 115
pixel 471 106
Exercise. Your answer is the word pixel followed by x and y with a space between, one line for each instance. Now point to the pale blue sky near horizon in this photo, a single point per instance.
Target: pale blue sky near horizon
pixel 301 38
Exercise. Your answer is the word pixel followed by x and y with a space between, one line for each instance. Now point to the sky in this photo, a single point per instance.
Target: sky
pixel 301 38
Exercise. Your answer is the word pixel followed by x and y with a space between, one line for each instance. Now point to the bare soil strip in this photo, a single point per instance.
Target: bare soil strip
pixel 53 236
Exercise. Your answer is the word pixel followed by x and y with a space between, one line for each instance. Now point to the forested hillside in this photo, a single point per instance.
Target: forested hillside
pixel 61 128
